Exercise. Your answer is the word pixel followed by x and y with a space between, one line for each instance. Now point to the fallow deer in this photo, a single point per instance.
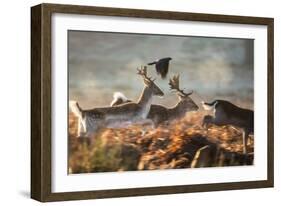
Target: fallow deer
pixel 226 113
pixel 158 113
pixel 90 121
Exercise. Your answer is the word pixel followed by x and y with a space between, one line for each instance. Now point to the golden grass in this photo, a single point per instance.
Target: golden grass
pixel 172 145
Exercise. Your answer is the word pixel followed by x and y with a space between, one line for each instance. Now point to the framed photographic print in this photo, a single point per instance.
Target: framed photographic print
pixel 130 102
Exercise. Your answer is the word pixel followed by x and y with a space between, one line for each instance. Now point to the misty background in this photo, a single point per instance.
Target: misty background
pixel 100 64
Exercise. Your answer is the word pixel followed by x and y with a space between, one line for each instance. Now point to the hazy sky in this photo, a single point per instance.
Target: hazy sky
pixel 102 63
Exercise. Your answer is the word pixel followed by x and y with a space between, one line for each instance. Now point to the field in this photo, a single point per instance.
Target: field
pixel 183 143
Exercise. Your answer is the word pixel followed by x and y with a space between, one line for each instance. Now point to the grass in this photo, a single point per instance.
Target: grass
pixel 175 145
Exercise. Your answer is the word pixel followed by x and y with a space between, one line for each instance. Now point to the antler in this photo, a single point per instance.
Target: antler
pixel 143 72
pixel 174 85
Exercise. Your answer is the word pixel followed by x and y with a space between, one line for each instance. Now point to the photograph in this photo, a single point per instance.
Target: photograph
pixel 132 102
pixel 140 101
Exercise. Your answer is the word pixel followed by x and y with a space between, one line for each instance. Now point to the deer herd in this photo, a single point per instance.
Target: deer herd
pixel 124 112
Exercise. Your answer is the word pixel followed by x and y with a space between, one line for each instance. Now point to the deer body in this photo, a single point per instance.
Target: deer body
pixel 158 113
pixel 226 113
pixel 90 121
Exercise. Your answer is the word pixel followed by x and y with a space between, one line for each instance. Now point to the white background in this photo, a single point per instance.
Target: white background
pixel 15 103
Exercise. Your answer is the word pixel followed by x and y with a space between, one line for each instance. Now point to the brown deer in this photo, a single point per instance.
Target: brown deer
pixel 226 113
pixel 90 121
pixel 158 113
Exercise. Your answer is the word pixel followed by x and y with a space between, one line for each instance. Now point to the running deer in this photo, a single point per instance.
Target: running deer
pixel 90 121
pixel 158 113
pixel 226 113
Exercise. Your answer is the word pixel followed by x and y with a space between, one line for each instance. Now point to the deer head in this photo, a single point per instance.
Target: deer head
pixel 149 82
pixel 185 100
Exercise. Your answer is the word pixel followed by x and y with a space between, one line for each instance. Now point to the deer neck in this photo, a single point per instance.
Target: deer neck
pixel 145 98
pixel 177 111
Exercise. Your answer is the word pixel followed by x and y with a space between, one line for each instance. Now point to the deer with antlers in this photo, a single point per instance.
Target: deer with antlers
pixel 158 113
pixel 90 121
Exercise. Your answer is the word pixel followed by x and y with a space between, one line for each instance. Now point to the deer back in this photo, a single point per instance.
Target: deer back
pixel 228 113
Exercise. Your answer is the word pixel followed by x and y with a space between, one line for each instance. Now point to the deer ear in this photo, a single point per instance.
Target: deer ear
pixel 146 82
pixel 181 96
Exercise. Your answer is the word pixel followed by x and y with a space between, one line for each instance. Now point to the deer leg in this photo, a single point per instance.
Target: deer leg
pixel 208 119
pixel 245 140
pixel 148 122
